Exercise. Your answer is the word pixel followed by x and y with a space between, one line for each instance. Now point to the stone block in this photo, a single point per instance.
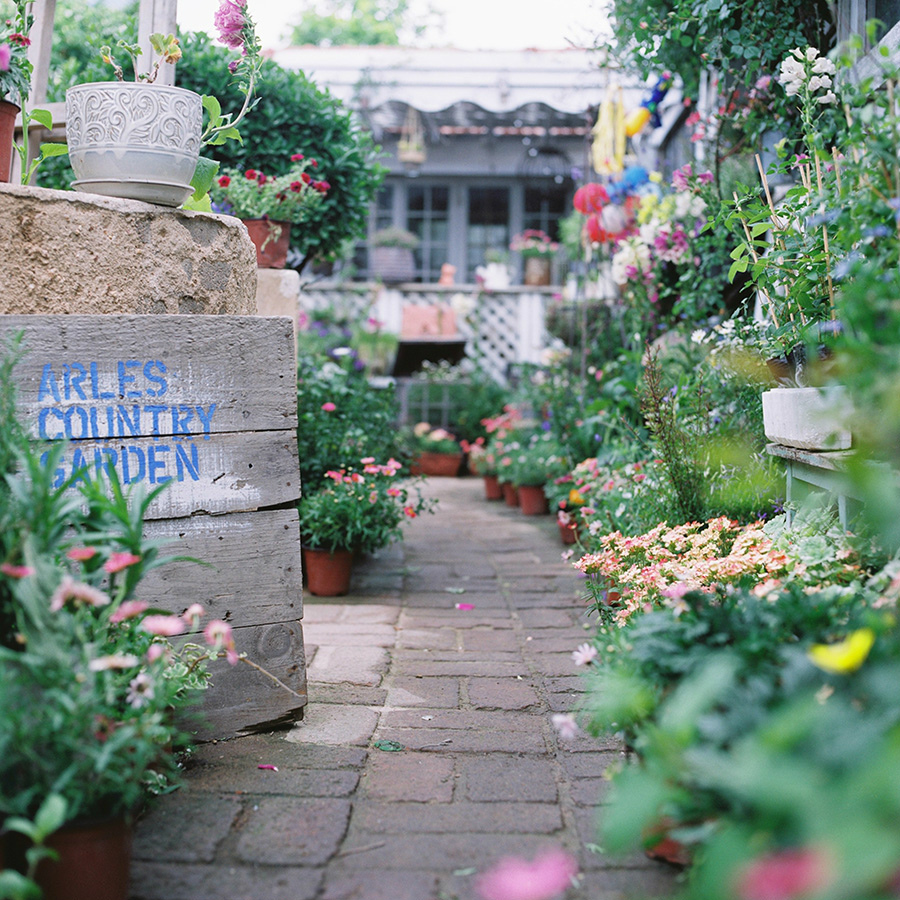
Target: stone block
pixel 68 252
pixel 277 292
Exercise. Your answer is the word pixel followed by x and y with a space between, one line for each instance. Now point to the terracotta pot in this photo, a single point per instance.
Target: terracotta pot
pixel 441 464
pixel 94 862
pixel 510 494
pixel 8 113
pixel 327 573
pixel 533 500
pixel 272 241
pixel 492 489
pixel 567 532
pixel 537 271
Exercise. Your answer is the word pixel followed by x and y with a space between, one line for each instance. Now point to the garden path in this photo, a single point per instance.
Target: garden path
pixel 469 693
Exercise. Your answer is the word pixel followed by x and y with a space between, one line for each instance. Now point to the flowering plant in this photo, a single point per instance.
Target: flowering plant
pixel 427 439
pixel 361 509
pixel 534 242
pixel 15 67
pixel 252 194
pixel 538 459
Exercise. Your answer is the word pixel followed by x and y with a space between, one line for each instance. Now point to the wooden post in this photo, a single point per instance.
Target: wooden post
pixel 156 16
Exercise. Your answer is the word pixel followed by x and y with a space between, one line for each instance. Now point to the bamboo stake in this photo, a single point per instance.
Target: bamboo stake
pixel 755 256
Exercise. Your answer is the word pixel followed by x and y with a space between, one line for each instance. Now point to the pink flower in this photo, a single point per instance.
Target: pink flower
pixel 565 725
pixel 328 407
pixel 784 875
pixel 81 554
pixel 513 878
pixel 230 21
pixel 79 593
pixel 16 571
pixel 296 157
pixel 5 55
pixel 393 492
pixel 410 512
pixel 140 691
pixel 193 613
pixel 128 610
pixel 465 606
pixel 218 634
pixel 584 654
pixel 155 651
pixel 163 626
pixel 119 561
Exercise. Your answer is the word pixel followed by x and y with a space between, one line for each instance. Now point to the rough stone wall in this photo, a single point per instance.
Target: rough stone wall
pixel 67 252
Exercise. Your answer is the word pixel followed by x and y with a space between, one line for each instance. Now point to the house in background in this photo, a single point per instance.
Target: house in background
pixel 480 145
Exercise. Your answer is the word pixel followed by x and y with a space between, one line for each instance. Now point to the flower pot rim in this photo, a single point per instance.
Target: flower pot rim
pixel 131 85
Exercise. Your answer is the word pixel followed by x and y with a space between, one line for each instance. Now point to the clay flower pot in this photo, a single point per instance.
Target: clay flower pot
pixel 492 489
pixel 510 494
pixel 272 241
pixel 441 464
pixel 327 572
pixel 533 500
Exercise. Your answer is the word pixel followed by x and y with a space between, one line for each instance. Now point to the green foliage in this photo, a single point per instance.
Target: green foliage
pixel 360 425
pixel 360 508
pixel 293 116
pixel 356 22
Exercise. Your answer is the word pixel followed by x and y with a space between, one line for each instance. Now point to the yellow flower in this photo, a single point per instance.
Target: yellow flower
pixel 575 498
pixel 845 656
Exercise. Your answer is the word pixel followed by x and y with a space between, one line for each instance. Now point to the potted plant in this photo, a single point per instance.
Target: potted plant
pixel 392 254
pixel 15 79
pixel 538 250
pixel 791 253
pixel 269 204
pixel 360 510
pixel 142 139
pixel 538 460
pixel 435 451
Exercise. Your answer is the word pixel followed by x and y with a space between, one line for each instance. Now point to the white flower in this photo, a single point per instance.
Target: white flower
pixel 819 81
pixel 829 97
pixel 140 691
pixel 114 661
pixel 811 54
pixel 584 654
pixel 565 725
pixel 462 304
pixel 698 336
pixel 799 54
pixel 823 66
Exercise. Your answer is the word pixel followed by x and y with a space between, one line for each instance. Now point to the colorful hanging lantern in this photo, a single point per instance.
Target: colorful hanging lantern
pixel 608 147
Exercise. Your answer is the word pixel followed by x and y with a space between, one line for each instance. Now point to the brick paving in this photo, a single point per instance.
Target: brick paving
pixel 468 694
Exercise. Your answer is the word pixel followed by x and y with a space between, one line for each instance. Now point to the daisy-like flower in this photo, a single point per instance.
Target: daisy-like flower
pixel 76 592
pixel 13 571
pixel 193 614
pixel 584 654
pixel 119 561
pixel 219 634
pixel 113 661
pixel 140 691
pixel 163 626
pixel 128 610
pixel 81 554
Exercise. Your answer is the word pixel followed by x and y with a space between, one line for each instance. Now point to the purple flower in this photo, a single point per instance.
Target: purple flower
pixel 230 21
pixel 5 55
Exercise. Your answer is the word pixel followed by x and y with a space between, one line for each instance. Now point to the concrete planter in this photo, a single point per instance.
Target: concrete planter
pixel 135 140
pixel 807 418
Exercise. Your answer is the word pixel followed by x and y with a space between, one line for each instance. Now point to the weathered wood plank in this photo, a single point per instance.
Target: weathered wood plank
pixel 226 473
pixel 242 699
pixel 252 576
pixel 96 377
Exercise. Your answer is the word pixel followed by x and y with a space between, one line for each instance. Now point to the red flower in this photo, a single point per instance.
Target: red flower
pixel 297 157
pixel 321 186
pixel 314 163
pixel 590 198
pixel 296 186
pixel 20 39
pixel 251 174
pixel 262 179
pixel 224 181
pixel 305 178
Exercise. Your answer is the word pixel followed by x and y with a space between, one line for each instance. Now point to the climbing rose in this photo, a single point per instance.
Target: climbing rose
pixel 517 879
pixel 230 21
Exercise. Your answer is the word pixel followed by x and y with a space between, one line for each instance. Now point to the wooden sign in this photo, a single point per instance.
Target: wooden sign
pixel 206 405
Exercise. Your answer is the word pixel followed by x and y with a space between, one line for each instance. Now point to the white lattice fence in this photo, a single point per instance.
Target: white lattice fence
pixel 501 328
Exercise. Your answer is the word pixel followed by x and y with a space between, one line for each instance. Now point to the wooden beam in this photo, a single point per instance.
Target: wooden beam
pixel 156 16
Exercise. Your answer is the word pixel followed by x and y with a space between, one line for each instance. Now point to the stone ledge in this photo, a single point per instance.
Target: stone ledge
pixel 68 252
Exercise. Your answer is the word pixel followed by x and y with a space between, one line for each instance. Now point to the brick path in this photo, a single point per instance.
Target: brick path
pixel 469 694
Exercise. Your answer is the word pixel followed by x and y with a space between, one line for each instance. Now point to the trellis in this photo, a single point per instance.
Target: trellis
pixel 502 328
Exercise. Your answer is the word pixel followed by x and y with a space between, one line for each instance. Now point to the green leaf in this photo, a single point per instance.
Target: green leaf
pixel 54 149
pixel 389 746
pixel 44 116
pixel 213 107
pixel 739 265
pixel 50 817
pixel 203 178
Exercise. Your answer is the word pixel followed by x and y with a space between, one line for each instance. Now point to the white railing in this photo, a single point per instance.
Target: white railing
pixel 500 327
